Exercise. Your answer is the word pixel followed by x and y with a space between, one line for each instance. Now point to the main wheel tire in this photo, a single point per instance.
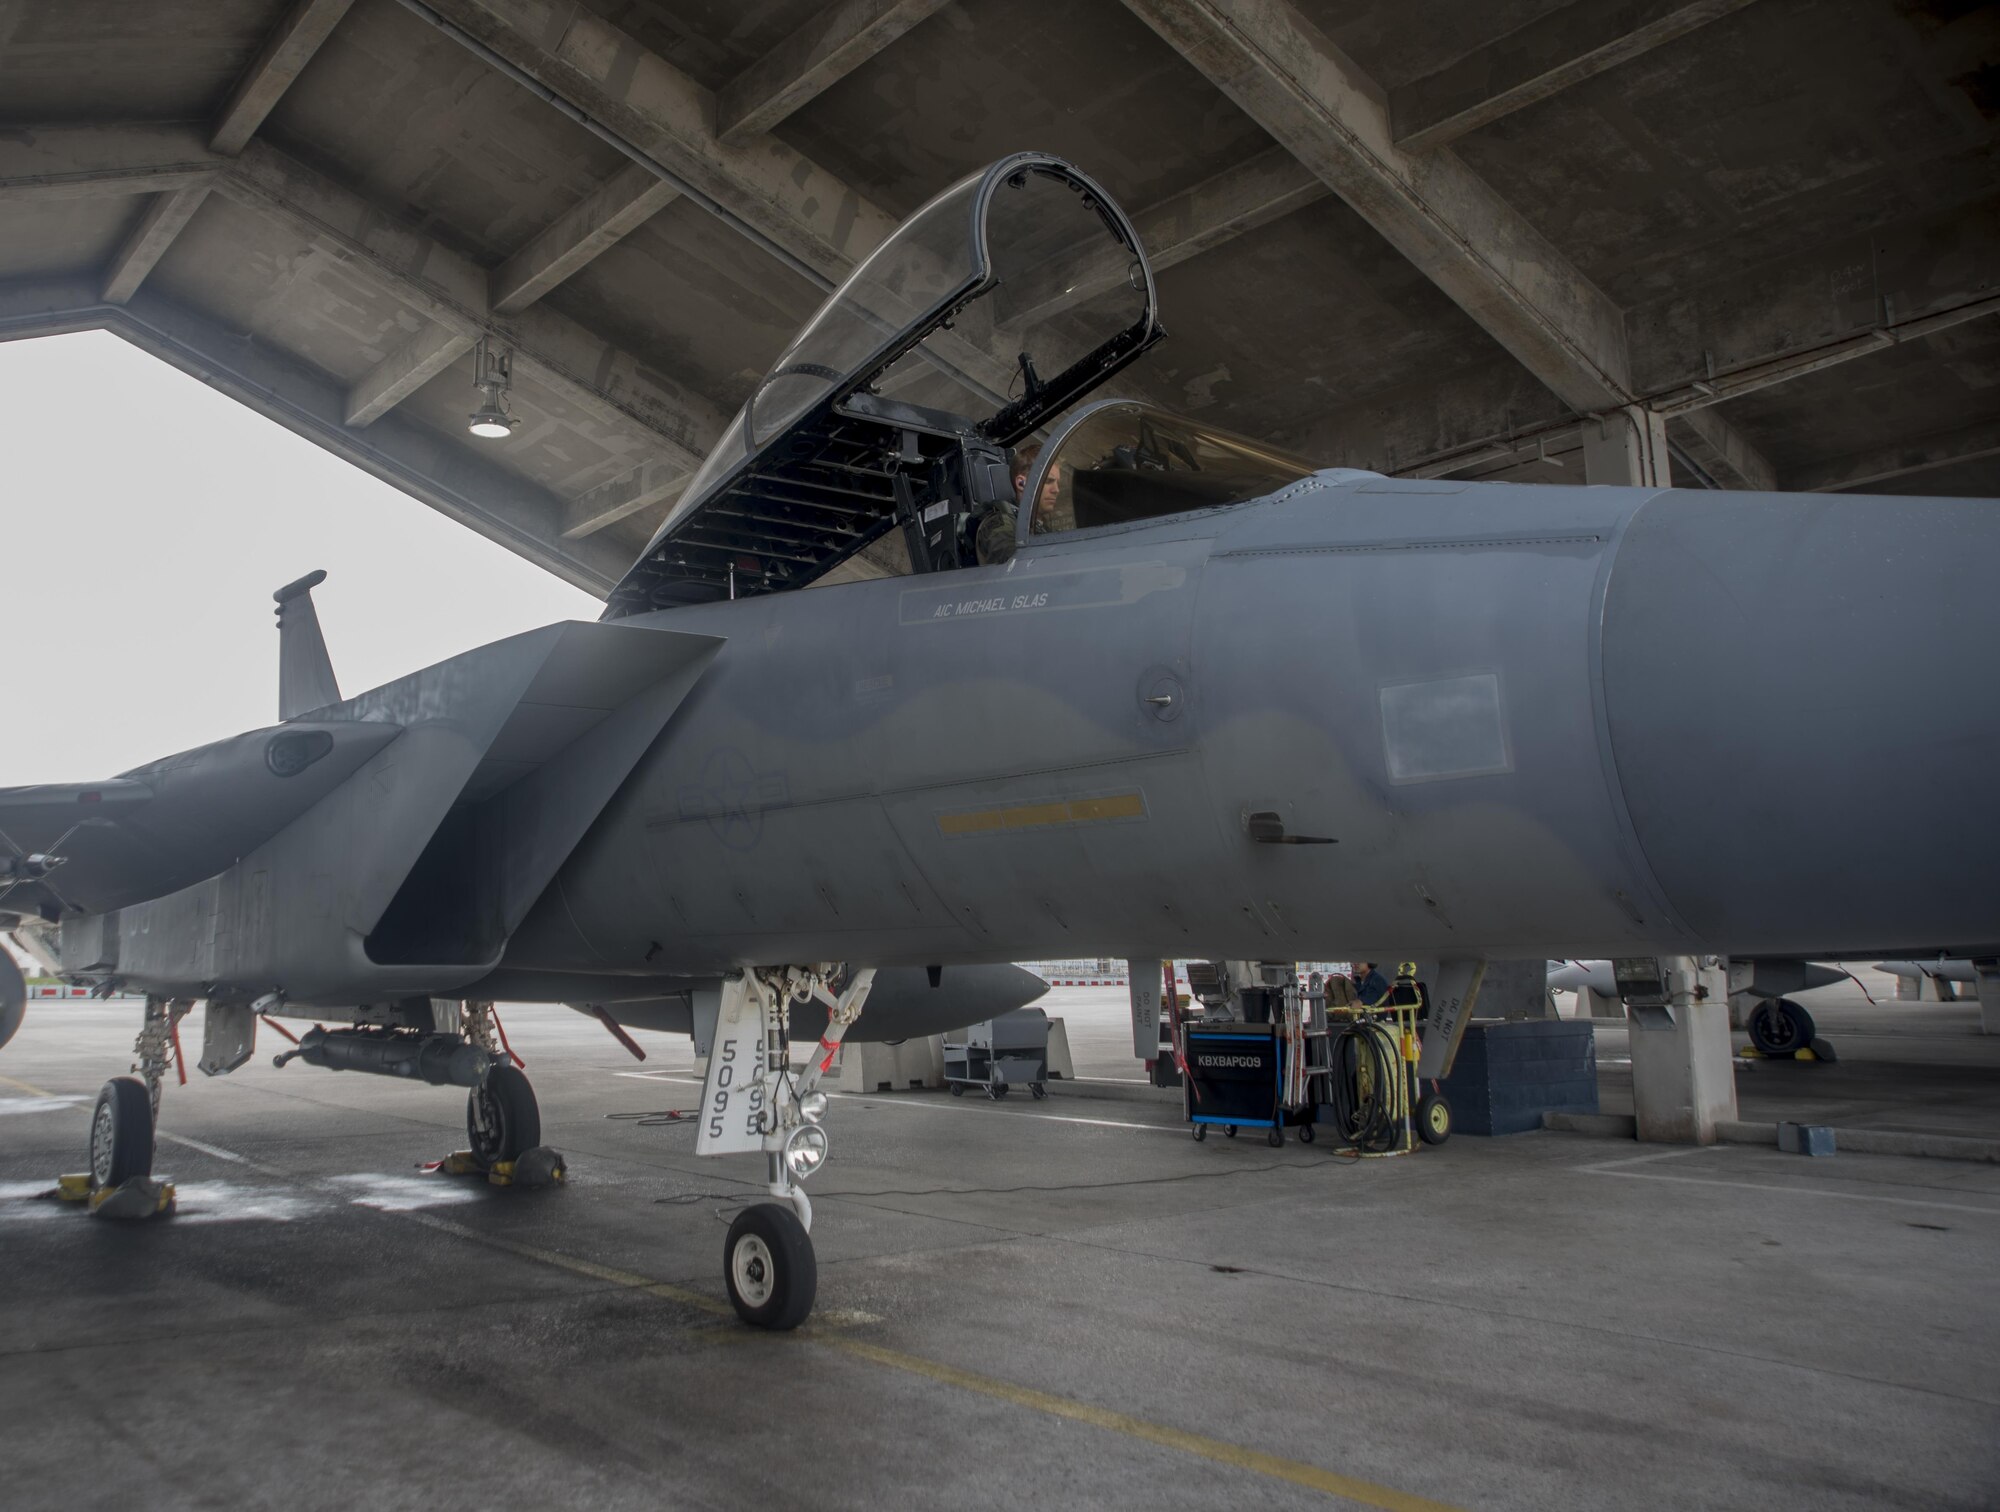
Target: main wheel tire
pixel 1780 1026
pixel 121 1133
pixel 501 1116
pixel 769 1267
pixel 1433 1118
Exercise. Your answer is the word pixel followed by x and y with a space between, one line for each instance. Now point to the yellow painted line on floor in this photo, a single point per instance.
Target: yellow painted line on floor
pixel 32 1091
pixel 1312 1477
pixel 1295 1472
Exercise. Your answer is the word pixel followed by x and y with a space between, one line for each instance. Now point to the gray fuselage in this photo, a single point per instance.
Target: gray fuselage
pixel 1537 722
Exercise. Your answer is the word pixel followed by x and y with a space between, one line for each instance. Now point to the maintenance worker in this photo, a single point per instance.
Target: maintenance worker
pixel 1370 986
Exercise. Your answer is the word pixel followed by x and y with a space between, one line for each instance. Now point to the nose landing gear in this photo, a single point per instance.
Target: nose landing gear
pixel 751 1101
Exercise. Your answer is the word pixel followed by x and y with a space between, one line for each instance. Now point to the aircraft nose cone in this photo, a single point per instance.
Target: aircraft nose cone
pixel 1802 714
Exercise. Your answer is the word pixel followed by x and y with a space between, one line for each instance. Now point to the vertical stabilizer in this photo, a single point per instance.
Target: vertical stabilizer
pixel 305 673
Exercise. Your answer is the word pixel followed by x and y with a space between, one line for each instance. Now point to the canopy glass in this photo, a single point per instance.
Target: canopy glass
pixel 996 305
pixel 1119 460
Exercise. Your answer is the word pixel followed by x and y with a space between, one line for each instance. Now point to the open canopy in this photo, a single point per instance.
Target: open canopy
pixel 997 305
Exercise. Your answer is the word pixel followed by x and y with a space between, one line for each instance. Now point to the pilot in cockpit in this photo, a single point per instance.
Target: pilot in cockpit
pixel 1048 499
pixel 994 542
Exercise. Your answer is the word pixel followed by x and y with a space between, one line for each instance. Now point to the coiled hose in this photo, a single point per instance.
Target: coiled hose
pixel 1368 1090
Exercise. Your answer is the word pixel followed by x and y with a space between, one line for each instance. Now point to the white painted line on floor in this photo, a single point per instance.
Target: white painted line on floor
pixel 1612 1165
pixel 1794 1191
pixel 207 1149
pixel 37 1104
pixel 937 1107
pixel 875 1100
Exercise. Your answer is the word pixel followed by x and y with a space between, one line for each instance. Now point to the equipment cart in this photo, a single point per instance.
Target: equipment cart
pixel 1011 1050
pixel 1236 1079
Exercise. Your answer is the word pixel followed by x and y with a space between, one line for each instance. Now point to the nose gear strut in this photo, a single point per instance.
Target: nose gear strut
pixel 752 1101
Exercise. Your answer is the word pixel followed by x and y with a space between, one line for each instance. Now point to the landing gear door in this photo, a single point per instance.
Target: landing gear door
pixel 1454 991
pixel 735 1095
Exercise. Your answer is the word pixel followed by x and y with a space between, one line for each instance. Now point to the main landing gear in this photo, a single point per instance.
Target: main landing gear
pixel 503 1121
pixel 751 1101
pixel 122 1122
pixel 1779 1026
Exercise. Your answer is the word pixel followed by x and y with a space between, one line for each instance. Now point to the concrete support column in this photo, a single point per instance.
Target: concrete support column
pixel 1627 448
pixel 1683 1072
pixel 1989 996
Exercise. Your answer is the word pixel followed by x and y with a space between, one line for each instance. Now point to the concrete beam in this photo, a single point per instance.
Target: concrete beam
pixel 94 162
pixel 1212 213
pixel 1882 463
pixel 1698 394
pixel 607 75
pixel 444 286
pixel 827 48
pixel 159 223
pixel 1723 452
pixel 454 479
pixel 1832 300
pixel 1218 210
pixel 1547 55
pixel 613 211
pixel 1437 423
pixel 1290 79
pixel 645 487
pixel 403 372
pixel 285 53
pixel 768 190
pixel 1485 255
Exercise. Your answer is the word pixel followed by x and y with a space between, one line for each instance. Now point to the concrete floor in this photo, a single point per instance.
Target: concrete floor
pixel 1062 1304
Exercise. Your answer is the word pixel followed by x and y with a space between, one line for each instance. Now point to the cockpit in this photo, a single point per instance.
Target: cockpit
pixel 1119 461
pixel 906 407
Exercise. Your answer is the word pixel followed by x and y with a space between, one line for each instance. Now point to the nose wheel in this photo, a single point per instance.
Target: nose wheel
pixel 769 1267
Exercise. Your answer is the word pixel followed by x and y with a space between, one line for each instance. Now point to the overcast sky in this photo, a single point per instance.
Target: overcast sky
pixel 144 521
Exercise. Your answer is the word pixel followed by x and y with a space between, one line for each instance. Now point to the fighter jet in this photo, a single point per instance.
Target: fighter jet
pixel 1758 995
pixel 1182 694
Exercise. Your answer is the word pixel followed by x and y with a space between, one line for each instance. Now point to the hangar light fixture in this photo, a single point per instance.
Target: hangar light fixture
pixel 492 375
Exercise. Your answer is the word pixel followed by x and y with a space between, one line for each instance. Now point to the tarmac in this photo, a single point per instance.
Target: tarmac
pixel 1065 1303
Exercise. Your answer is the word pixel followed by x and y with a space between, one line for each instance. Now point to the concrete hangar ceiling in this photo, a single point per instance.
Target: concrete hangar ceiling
pixel 1432 237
